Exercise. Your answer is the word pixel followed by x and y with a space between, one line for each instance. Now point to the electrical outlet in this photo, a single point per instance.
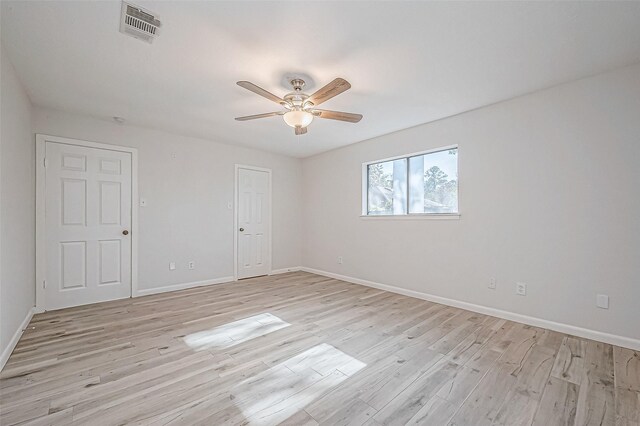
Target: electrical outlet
pixel 192 265
pixel 492 283
pixel 602 301
pixel 340 260
pixel 172 266
pixel 521 289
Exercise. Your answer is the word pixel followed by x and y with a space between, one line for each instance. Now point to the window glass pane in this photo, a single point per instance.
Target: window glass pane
pixel 433 180
pixel 387 188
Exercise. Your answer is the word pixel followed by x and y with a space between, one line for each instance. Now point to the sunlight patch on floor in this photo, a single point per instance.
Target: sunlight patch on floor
pixel 277 393
pixel 233 333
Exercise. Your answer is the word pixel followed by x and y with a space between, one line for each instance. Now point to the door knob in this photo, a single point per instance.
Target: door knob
pixel 125 232
pixel 241 229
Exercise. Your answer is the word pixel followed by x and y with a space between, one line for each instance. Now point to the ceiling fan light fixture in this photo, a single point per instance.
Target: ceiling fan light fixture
pixel 298 118
pixel 299 108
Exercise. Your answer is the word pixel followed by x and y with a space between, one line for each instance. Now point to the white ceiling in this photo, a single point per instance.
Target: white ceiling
pixel 408 62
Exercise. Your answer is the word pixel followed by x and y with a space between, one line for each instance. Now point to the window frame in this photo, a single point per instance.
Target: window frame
pixel 364 213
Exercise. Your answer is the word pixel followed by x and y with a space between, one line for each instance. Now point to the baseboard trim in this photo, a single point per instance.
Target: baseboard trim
pixel 182 286
pixel 16 337
pixel 586 333
pixel 285 270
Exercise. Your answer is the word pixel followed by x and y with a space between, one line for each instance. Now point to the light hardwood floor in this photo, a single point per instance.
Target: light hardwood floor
pixel 301 349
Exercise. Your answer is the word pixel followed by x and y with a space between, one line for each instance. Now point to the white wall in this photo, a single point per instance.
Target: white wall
pixel 188 183
pixel 17 206
pixel 549 195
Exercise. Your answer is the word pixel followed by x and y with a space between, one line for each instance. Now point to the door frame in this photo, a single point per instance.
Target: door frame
pixel 235 216
pixel 41 246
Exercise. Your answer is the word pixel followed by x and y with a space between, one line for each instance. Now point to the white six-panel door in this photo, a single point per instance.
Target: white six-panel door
pixel 254 220
pixel 87 225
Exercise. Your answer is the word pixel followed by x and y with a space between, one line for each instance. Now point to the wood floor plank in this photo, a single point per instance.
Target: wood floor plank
pixel 627 406
pixel 301 418
pixel 558 404
pixel 367 381
pixel 482 406
pixel 408 372
pixel 436 411
pixel 302 349
pixel 522 401
pixel 596 403
pixel 24 412
pixel 627 368
pixel 569 363
pixel 410 400
pixel 355 412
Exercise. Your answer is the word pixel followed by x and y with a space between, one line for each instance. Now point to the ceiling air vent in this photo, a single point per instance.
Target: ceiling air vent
pixel 139 23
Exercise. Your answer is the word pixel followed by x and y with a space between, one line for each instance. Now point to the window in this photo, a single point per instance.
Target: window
pixel 425 183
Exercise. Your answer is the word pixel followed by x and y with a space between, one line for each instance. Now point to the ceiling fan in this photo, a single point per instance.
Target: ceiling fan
pixel 300 108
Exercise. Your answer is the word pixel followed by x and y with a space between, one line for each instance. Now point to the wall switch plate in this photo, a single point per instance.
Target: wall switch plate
pixel 172 266
pixel 192 265
pixel 521 289
pixel 492 283
pixel 143 202
pixel 340 260
pixel 602 301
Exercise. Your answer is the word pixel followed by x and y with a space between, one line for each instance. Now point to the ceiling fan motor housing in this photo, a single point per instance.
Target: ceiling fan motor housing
pixel 296 100
pixel 297 84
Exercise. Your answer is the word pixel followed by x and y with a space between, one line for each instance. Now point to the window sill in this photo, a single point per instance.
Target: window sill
pixel 414 216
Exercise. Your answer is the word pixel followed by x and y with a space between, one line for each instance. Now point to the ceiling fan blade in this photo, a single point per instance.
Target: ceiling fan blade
pixel 338 115
pixel 260 91
pixel 253 117
pixel 332 89
pixel 301 130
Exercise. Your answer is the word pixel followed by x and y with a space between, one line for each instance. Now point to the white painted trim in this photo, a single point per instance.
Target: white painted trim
pixel 235 216
pixel 285 270
pixel 364 190
pixel 586 333
pixel 135 229
pixel 182 286
pixel 6 353
pixel 41 237
pixel 413 154
pixel 41 248
pixel 413 216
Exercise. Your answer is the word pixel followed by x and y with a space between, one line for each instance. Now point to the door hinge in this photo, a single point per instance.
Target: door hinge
pixel 45 162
